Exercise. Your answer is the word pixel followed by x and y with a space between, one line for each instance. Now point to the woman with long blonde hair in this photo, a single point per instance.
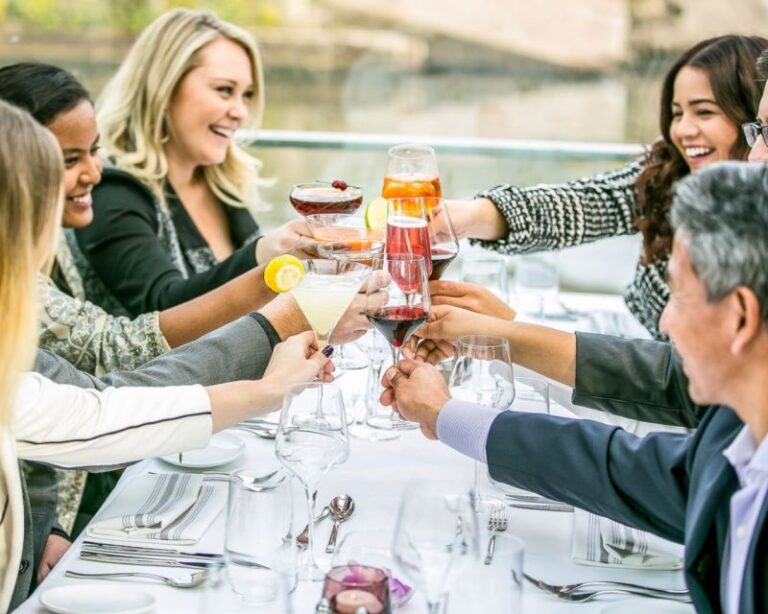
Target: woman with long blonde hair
pixel 173 213
pixel 73 427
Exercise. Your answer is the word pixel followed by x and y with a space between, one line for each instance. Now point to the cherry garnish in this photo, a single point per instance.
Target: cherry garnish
pixel 339 184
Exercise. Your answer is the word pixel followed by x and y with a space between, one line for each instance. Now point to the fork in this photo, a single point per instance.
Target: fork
pixel 564 589
pixel 194 579
pixel 651 593
pixel 497 523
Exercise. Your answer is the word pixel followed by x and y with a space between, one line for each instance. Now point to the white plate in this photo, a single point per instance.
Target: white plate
pixel 222 449
pixel 643 606
pixel 91 598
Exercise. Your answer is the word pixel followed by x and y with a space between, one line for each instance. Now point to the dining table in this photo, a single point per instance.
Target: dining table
pixel 375 475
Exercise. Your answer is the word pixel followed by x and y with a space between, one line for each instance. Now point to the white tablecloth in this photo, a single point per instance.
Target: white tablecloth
pixel 375 476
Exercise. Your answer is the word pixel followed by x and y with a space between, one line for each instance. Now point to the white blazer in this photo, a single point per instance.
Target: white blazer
pixel 70 427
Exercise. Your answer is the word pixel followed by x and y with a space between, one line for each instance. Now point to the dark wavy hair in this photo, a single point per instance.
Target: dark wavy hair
pixel 730 62
pixel 43 90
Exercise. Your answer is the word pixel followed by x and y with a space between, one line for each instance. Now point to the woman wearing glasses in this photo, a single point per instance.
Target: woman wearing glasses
pixel 709 91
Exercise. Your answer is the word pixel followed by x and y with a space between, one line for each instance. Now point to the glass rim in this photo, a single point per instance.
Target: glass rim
pixel 485 341
pixel 352 267
pixel 426 151
pixel 325 184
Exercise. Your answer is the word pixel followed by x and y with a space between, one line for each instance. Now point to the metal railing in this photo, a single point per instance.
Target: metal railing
pixel 506 148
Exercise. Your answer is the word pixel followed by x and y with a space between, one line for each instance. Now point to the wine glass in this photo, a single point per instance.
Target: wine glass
pixel 443 243
pixel 320 197
pixel 407 229
pixel 397 303
pixel 311 438
pixel 482 374
pixel 411 171
pixel 436 536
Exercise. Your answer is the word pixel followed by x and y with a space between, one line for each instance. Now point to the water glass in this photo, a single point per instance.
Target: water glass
pixel 537 283
pixel 312 438
pixel 487 270
pixel 258 547
pixel 435 539
pixel 484 587
pixel 482 374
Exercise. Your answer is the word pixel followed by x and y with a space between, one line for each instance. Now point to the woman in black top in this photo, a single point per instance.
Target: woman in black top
pixel 171 217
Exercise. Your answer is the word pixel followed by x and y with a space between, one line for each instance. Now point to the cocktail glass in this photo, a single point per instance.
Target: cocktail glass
pixel 411 171
pixel 407 230
pixel 319 197
pixel 326 290
pixel 352 244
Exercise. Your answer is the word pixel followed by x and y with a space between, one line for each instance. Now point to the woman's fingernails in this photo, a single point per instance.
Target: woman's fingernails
pixel 327 351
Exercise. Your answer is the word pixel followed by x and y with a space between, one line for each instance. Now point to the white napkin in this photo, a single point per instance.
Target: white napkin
pixel 601 541
pixel 166 508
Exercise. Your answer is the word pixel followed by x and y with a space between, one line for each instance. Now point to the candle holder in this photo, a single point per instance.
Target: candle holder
pixel 350 587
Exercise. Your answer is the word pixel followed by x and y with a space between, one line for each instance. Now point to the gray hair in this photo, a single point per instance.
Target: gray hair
pixel 722 212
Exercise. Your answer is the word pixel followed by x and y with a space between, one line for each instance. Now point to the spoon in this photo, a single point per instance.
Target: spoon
pixel 341 508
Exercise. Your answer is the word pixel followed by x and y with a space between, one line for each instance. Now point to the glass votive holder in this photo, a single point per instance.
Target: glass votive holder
pixel 350 587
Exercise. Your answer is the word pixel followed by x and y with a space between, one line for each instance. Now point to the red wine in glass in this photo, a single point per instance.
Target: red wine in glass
pixel 398 323
pixel 442 256
pixel 311 198
pixel 408 236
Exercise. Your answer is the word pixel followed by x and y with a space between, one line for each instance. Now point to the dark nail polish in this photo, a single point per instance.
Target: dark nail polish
pixel 327 351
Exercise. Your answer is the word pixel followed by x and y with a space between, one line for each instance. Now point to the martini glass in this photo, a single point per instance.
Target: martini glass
pixel 411 171
pixel 326 290
pixel 319 197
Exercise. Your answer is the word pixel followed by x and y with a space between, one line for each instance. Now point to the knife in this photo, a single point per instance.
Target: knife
pixel 97 546
pixel 146 561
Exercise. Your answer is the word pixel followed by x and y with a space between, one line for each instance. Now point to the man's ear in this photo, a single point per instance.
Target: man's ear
pixel 748 317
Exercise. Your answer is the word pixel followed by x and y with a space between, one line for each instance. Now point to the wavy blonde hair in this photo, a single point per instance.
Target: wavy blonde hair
pixel 132 110
pixel 31 201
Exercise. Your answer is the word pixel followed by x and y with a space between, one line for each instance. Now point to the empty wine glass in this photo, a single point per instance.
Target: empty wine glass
pixel 312 438
pixel 436 536
pixel 482 374
pixel 397 304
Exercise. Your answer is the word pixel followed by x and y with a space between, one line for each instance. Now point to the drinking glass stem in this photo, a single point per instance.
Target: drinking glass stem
pixel 310 526
pixel 321 343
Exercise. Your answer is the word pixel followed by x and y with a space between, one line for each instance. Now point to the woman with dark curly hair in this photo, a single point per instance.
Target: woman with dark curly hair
pixel 709 91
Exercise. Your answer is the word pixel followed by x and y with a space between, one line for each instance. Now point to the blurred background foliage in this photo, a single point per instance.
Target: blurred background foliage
pixel 129 16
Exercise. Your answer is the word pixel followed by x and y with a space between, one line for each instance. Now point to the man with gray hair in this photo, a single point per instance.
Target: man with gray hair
pixel 707 490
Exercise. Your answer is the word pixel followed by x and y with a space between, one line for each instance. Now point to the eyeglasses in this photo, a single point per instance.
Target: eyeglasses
pixel 752 130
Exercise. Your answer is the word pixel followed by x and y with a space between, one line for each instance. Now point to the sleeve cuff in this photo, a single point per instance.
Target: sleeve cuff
pixel 269 330
pixel 465 426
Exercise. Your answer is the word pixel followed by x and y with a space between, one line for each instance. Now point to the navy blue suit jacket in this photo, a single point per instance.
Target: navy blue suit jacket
pixel 676 486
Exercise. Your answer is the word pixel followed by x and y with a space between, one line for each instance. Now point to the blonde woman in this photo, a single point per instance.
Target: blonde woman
pixel 173 214
pixel 69 426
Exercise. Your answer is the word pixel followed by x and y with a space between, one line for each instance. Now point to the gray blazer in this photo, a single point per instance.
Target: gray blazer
pixel 239 350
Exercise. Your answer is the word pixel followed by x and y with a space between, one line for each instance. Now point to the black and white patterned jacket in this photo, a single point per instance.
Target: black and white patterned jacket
pixel 552 217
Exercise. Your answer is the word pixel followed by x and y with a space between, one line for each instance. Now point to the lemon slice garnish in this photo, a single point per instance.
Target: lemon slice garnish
pixel 283 273
pixel 376 213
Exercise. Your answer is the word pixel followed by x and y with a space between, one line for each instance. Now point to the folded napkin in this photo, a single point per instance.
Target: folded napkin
pixel 167 508
pixel 600 541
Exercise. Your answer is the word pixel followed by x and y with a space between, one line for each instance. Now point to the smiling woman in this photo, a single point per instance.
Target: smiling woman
pixel 173 212
pixel 707 93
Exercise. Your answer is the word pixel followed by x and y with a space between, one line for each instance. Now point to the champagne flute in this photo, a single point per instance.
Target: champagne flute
pixel 482 374
pixel 397 303
pixel 407 229
pixel 411 171
pixel 311 438
pixel 436 536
